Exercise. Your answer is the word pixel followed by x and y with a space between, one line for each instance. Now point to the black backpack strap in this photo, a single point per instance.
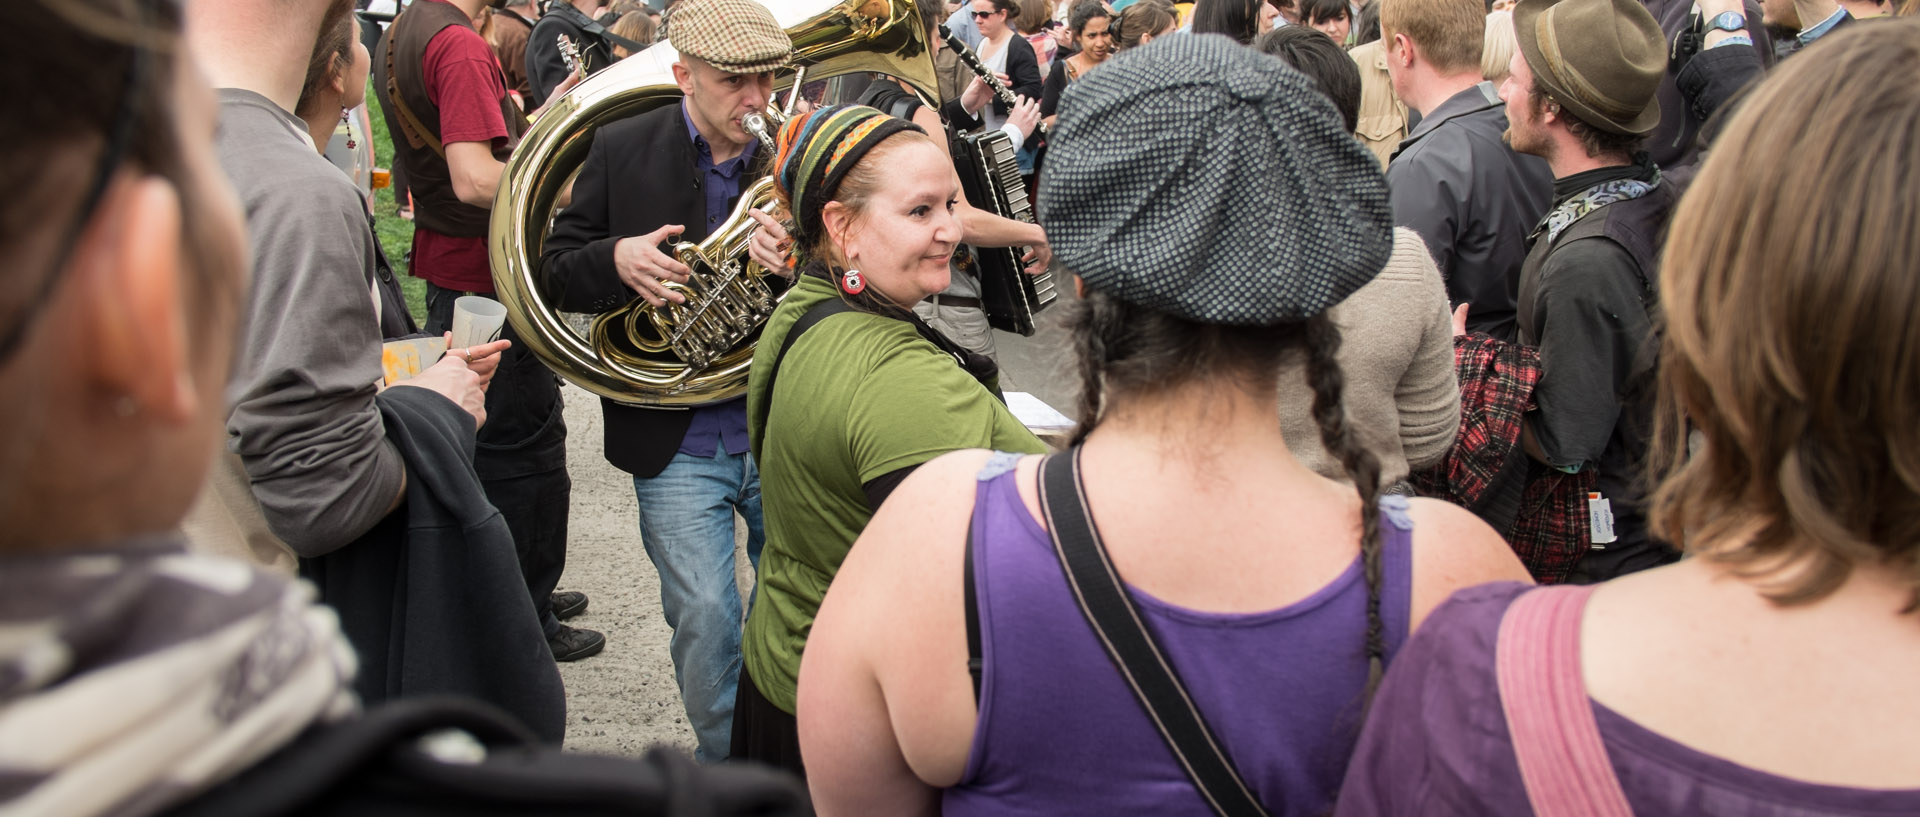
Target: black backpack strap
pixel 976 666
pixel 1104 601
pixel 814 314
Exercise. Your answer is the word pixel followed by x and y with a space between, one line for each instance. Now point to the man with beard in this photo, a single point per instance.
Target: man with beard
pixel 1584 102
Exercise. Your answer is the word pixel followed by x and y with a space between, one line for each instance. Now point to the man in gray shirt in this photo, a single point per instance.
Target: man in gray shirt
pixel 304 435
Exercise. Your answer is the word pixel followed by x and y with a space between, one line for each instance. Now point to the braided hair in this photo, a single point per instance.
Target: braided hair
pixel 1127 350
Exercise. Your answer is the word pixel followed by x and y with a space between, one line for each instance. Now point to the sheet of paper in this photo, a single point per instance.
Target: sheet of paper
pixel 1035 414
pixel 402 359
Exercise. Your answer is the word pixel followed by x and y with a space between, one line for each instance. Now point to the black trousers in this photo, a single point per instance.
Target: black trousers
pixel 521 457
pixel 762 732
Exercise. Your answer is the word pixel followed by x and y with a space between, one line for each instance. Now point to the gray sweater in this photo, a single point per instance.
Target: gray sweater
pixel 1397 352
pixel 303 419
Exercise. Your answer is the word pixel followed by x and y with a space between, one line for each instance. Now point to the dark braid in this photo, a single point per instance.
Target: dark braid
pixel 1330 413
pixel 1090 326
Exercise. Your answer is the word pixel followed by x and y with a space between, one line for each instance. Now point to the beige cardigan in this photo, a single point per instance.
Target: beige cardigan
pixel 1397 353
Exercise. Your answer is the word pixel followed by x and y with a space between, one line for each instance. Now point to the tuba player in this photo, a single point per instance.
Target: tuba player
pixel 676 172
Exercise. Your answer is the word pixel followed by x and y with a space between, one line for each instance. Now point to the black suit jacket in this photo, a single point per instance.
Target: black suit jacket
pixel 639 175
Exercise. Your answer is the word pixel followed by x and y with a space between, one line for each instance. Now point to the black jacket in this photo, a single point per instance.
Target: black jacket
pixel 546 69
pixel 376 764
pixel 1023 79
pixel 1685 106
pixel 432 598
pixel 1473 200
pixel 639 175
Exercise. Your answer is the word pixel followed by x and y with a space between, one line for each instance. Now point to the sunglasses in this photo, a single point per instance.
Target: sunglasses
pixel 982 15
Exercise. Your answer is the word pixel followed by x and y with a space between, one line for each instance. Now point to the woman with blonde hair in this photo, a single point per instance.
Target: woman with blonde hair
pixel 636 26
pixel 850 392
pixel 1771 673
pixel 1496 51
pixel 1139 23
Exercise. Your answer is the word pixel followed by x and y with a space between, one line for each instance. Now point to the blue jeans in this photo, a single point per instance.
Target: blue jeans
pixel 686 523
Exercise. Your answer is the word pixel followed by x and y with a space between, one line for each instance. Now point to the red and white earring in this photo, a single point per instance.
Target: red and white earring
pixel 852 283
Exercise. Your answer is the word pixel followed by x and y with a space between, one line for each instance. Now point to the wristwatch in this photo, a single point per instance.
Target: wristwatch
pixel 1728 21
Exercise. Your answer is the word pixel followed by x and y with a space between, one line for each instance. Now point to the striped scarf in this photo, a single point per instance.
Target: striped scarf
pixel 135 678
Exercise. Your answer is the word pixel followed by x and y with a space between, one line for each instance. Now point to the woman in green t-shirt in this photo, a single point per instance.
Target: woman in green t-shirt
pixel 839 417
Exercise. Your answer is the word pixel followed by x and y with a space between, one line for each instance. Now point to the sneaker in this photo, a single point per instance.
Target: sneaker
pixel 573 643
pixel 568 603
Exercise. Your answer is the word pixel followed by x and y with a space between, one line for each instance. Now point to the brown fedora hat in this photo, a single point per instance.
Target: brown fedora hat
pixel 1600 59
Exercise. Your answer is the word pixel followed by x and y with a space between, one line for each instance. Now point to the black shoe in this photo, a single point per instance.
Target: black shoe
pixel 568 603
pixel 573 643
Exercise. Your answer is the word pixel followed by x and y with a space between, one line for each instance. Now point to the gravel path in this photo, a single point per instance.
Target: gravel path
pixel 625 699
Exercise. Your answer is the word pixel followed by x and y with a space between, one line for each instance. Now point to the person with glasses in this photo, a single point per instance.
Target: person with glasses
pixel 1002 52
pixel 1091 25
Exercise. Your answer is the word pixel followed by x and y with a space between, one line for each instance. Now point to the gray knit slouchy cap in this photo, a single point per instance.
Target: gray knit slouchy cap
pixel 1198 177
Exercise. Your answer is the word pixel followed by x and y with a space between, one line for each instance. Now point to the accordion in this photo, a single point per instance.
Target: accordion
pixel 990 175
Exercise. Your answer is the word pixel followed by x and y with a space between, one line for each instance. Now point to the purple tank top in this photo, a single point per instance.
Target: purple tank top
pixel 1059 731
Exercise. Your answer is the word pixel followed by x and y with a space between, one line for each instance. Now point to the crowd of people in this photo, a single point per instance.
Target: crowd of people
pixel 1484 409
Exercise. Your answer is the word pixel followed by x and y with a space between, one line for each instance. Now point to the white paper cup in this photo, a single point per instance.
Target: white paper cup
pixel 477 320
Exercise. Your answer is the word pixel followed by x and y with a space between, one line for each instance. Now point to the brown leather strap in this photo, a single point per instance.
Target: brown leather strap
pixel 417 130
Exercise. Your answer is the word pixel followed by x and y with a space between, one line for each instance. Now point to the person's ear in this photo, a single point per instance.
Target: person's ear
pixel 838 219
pixel 129 316
pixel 1401 51
pixel 339 72
pixel 683 77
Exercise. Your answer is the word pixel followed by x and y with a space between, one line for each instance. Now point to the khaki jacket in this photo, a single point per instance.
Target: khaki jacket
pixel 1383 120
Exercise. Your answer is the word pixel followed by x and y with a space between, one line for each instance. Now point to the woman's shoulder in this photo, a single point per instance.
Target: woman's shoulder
pixel 1411 260
pixel 1454 550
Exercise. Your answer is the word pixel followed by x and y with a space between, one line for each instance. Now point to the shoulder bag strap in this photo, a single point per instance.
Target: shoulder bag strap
pixel 976 661
pixel 1104 601
pixel 814 315
pixel 1563 762
pixel 400 105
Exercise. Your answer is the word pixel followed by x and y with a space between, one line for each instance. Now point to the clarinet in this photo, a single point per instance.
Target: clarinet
pixel 973 63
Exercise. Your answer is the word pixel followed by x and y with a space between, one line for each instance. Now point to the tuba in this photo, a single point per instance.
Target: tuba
pixel 696 353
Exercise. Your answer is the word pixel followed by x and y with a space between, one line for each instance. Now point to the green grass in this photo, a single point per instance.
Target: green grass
pixel 395 233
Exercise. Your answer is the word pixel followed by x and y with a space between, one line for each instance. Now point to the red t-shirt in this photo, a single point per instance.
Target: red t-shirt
pixel 463 80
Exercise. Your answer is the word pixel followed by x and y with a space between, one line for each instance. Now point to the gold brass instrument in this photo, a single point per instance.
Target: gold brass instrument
pixel 698 352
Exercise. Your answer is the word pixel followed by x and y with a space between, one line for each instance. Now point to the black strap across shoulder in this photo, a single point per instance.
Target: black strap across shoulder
pixel 1104 601
pixel 976 665
pixel 814 314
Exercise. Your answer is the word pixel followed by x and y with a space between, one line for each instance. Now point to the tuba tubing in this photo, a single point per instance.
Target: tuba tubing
pixel 631 355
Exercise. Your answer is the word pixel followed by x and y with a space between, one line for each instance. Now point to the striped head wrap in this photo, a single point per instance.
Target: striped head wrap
pixel 816 151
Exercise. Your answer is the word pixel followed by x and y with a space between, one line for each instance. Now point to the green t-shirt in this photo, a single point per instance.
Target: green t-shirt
pixel 859 397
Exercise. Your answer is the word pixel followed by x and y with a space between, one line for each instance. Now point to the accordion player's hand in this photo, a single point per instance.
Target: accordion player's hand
pixel 770 245
pixel 1039 258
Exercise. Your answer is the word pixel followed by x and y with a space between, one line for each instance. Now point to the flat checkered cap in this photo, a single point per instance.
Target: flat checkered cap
pixel 736 36
pixel 1198 177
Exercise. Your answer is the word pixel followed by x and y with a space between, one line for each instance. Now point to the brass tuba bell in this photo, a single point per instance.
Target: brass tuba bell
pixel 694 353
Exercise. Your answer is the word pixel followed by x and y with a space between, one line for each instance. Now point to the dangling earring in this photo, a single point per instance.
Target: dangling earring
pixel 852 283
pixel 346 121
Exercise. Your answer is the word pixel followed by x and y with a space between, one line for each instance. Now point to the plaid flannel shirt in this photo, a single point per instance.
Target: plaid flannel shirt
pixel 1549 531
